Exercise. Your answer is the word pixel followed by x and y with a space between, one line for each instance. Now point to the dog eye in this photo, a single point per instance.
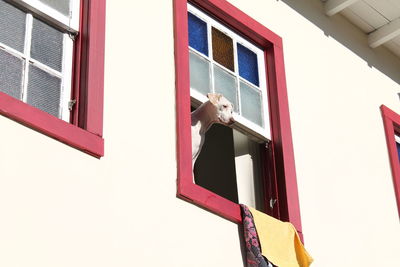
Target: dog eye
pixel 225 106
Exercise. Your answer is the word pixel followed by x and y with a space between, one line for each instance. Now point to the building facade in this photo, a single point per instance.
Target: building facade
pixel 104 186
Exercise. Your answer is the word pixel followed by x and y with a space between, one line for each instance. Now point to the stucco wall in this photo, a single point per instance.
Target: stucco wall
pixel 60 207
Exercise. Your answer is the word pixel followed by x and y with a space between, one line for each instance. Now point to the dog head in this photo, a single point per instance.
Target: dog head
pixel 224 108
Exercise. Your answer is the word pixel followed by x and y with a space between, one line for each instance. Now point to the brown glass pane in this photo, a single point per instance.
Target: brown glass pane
pixel 222 49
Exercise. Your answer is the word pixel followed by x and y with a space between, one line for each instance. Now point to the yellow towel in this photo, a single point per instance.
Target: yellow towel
pixel 280 243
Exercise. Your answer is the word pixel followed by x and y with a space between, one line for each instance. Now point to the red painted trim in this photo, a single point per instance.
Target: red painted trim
pixel 283 140
pixel 211 201
pixel 51 126
pixel 391 122
pixel 77 66
pixel 88 85
pixel 284 174
pixel 94 47
pixel 183 122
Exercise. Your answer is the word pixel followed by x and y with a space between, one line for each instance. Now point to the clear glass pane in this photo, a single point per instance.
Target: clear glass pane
pixel 198 34
pixel 199 74
pixel 44 91
pixel 225 84
pixel 248 66
pixel 10 74
pixel 12 26
pixel 47 44
pixel 251 103
pixel 222 46
pixel 62 6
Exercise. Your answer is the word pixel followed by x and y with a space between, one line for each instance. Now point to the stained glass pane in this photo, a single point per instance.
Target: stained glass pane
pixel 10 74
pixel 12 26
pixel 198 34
pixel 248 67
pixel 199 74
pixel 225 84
pixel 250 99
pixel 61 6
pixel 47 44
pixel 44 91
pixel 222 49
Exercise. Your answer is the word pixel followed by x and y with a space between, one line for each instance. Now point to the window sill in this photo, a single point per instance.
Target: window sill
pixel 51 126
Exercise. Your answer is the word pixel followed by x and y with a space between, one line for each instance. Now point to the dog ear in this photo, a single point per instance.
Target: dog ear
pixel 214 98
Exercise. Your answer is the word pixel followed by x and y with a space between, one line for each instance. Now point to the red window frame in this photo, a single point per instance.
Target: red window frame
pixel 85 130
pixel 282 174
pixel 391 122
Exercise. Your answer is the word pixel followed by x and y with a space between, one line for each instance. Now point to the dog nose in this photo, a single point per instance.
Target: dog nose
pixel 232 120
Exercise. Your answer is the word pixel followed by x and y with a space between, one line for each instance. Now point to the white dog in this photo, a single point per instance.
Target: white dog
pixel 217 110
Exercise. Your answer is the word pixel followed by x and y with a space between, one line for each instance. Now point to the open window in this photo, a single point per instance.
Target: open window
pixel 51 68
pixel 391 121
pixel 230 165
pixel 221 61
pixel 220 49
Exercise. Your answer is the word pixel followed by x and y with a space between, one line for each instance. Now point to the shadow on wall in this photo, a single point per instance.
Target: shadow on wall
pixel 339 28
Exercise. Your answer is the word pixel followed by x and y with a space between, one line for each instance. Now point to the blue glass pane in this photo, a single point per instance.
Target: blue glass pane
pixel 198 34
pixel 248 67
pixel 398 149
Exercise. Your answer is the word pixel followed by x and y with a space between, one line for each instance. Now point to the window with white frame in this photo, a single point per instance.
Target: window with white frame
pixel 36 52
pixel 222 61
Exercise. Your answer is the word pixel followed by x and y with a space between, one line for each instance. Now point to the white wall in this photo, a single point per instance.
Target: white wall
pixel 347 200
pixel 60 207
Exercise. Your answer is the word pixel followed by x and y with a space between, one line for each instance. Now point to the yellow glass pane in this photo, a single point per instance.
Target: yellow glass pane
pixel 222 46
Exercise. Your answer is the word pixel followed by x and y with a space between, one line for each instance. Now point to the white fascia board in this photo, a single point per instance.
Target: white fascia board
pixel 335 6
pixel 384 34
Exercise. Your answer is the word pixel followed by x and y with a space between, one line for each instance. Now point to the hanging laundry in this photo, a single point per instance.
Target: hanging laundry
pixel 254 258
pixel 279 241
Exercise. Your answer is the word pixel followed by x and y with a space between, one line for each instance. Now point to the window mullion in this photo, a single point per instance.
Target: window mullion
pixel 210 56
pixel 27 53
pixel 66 82
pixel 236 64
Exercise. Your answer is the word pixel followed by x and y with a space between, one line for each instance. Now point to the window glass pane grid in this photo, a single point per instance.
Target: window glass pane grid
pixel 54 80
pixel 259 88
pixel 210 48
pixel 237 103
